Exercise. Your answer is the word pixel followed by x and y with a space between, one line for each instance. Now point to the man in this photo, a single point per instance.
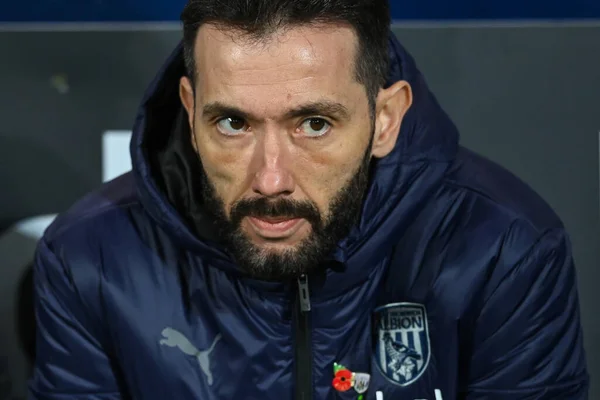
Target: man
pixel 301 223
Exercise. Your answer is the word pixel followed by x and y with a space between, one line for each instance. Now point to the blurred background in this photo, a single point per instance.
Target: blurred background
pixel 520 79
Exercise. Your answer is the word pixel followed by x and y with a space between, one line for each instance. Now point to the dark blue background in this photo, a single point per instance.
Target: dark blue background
pixel 168 10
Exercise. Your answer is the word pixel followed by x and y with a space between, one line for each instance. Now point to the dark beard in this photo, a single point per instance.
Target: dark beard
pixel 309 254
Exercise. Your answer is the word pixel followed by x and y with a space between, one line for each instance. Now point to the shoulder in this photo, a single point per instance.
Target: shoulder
pixel 505 226
pixel 106 223
pixel 482 225
pixel 491 188
pixel 482 229
pixel 496 207
pixel 116 197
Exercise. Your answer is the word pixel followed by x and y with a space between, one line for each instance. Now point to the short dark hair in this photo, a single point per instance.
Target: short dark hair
pixel 259 18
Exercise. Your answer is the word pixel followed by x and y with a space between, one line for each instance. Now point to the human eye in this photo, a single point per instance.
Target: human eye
pixel 232 126
pixel 315 127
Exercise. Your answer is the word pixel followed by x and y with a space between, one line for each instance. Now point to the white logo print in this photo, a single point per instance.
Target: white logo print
pixel 173 338
pixel 402 350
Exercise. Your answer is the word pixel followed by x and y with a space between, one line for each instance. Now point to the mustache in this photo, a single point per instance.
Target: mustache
pixel 262 207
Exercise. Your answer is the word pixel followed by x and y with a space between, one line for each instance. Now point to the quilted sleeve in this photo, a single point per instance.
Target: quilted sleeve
pixel 70 360
pixel 527 342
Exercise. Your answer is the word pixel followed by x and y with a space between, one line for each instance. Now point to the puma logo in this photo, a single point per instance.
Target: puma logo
pixel 173 338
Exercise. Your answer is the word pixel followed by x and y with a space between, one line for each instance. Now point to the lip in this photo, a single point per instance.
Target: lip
pixel 275 228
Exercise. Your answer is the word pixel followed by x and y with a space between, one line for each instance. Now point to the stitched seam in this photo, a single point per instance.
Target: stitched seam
pixel 88 216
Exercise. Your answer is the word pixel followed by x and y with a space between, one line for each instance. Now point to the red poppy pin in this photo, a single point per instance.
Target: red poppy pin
pixel 344 380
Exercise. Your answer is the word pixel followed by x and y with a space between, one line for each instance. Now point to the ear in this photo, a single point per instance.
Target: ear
pixel 392 105
pixel 186 94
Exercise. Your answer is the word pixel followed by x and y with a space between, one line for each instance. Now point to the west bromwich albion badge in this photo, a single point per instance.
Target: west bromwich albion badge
pixel 402 342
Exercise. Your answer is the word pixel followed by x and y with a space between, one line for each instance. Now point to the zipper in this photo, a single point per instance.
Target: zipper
pixel 304 389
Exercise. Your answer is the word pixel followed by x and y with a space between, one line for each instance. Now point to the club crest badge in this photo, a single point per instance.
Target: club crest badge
pixel 361 382
pixel 402 349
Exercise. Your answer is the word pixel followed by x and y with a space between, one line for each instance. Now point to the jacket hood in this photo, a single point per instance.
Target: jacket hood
pixel 400 183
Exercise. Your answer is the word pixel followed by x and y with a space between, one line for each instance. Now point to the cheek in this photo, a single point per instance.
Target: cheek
pixel 225 166
pixel 324 173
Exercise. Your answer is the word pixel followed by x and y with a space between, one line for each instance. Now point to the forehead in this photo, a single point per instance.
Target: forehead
pixel 301 63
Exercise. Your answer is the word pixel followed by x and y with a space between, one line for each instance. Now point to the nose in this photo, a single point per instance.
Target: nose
pixel 273 176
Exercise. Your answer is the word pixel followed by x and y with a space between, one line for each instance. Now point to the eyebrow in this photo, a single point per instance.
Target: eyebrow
pixel 324 107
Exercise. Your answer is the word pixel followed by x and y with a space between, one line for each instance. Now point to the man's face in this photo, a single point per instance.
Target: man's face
pixel 283 130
